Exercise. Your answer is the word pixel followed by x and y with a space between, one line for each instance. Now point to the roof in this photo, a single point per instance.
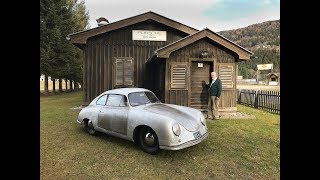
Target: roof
pixel 164 52
pixel 82 36
pixel 125 91
pixel 275 74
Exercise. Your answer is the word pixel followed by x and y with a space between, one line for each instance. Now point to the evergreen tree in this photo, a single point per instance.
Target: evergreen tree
pixel 58 18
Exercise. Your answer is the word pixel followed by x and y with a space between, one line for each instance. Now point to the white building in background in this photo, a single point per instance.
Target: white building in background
pixel 42 78
pixel 49 78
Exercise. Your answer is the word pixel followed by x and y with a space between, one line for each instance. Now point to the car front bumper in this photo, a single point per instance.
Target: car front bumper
pixel 186 144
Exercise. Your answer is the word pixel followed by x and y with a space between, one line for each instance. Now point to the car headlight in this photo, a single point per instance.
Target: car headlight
pixel 203 120
pixel 176 129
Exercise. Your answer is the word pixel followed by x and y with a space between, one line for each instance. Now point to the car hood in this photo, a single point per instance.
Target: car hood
pixel 180 114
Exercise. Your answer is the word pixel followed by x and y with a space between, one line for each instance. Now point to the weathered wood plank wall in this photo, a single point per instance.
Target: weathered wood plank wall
pixel 101 51
pixel 217 55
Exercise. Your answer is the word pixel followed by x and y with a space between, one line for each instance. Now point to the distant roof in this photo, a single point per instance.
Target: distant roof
pixel 82 36
pixel 164 52
pixel 275 74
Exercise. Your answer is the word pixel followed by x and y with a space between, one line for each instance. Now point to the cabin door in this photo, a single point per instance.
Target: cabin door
pixel 200 75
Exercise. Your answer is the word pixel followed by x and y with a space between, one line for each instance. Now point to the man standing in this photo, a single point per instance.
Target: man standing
pixel 214 96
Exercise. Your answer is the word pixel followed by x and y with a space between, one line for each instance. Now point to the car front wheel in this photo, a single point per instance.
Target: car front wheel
pixel 89 127
pixel 148 140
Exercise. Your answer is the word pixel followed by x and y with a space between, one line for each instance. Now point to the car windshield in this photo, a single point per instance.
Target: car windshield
pixel 141 98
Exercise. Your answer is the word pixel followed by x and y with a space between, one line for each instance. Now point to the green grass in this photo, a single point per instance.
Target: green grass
pixel 235 149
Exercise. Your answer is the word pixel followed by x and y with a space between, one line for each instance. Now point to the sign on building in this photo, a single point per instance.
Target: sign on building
pixel 146 35
pixel 265 66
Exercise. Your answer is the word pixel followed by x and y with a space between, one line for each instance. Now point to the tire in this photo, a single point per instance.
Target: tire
pixel 148 140
pixel 89 128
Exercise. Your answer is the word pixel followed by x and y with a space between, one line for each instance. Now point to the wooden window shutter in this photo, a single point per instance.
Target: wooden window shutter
pixel 124 71
pixel 178 76
pixel 128 72
pixel 119 71
pixel 226 75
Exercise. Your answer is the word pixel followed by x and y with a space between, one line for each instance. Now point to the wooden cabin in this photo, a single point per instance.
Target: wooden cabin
pixel 273 79
pixel 155 52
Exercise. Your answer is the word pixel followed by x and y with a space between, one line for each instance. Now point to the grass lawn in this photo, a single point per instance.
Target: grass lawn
pixel 235 149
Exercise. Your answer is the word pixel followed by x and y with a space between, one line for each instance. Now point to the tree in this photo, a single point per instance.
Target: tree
pixel 46 38
pixel 58 18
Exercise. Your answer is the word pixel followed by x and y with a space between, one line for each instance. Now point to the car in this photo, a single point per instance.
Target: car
pixel 136 114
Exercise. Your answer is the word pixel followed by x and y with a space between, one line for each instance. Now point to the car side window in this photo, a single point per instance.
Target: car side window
pixel 102 100
pixel 124 101
pixel 116 100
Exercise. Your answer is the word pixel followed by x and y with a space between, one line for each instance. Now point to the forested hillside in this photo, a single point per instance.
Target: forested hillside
pixel 263 40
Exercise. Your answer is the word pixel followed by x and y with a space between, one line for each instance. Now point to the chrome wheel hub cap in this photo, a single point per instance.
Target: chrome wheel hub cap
pixel 149 139
pixel 90 125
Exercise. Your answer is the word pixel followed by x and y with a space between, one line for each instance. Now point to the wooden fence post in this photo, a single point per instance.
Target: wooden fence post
pixel 260 99
pixel 256 99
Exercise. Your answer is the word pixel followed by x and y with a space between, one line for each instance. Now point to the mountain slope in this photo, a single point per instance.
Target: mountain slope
pixel 263 39
pixel 256 36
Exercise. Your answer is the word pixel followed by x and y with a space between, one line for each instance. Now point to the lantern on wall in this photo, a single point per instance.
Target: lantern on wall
pixel 204 54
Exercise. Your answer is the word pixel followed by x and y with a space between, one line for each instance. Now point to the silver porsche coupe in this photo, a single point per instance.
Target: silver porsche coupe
pixel 137 115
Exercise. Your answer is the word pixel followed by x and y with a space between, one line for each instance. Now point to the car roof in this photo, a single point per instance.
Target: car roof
pixel 125 91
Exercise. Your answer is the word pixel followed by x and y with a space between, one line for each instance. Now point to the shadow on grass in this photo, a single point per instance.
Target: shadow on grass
pixel 131 146
pixel 111 139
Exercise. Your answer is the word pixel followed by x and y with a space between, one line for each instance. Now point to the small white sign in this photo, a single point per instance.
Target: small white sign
pixel 273 83
pixel 200 64
pixel 265 66
pixel 146 35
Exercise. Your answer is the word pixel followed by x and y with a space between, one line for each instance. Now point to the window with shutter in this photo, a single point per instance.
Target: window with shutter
pixel 119 72
pixel 178 76
pixel 226 75
pixel 128 72
pixel 124 72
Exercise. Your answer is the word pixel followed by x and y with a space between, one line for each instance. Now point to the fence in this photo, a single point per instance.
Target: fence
pixel 266 100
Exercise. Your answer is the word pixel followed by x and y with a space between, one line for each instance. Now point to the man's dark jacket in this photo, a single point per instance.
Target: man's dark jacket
pixel 215 88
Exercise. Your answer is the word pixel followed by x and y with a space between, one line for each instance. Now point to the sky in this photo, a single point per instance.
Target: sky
pixel 217 15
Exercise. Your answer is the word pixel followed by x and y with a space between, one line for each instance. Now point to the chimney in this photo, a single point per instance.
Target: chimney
pixel 102 21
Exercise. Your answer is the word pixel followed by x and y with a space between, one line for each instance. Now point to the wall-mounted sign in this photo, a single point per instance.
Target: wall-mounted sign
pixel 146 35
pixel 200 64
pixel 265 66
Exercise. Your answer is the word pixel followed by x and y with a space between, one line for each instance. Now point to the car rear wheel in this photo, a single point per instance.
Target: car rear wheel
pixel 148 140
pixel 89 127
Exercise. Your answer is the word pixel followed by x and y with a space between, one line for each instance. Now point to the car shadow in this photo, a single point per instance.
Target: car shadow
pixel 170 155
pixel 112 139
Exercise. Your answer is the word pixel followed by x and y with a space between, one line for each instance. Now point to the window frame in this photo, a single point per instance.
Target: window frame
pixel 100 98
pixel 173 65
pixel 144 92
pixel 224 66
pixel 122 97
pixel 123 84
